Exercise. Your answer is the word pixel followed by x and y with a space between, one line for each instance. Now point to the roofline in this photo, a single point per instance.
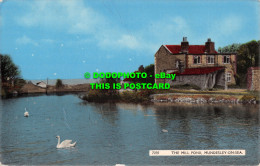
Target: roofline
pixel 231 53
pixel 222 68
pixel 207 54
pixel 167 49
pixel 202 67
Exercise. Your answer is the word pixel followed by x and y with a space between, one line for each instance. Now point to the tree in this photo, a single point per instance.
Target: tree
pixel 104 94
pixel 247 56
pixel 59 83
pixel 10 76
pixel 233 48
pixel 9 71
pixel 150 72
pixel 110 81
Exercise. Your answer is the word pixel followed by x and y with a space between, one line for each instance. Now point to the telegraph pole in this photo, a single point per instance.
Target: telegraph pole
pixel 47 86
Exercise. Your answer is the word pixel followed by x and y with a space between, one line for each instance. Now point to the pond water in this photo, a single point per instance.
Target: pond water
pixel 112 133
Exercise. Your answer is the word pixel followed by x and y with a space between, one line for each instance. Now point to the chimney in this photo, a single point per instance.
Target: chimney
pixel 184 45
pixel 210 46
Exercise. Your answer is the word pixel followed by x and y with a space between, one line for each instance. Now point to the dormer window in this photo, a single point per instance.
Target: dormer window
pixel 210 59
pixel 196 59
pixel 226 59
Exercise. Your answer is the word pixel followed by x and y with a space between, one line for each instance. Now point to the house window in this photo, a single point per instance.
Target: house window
pixel 226 59
pixel 196 59
pixel 210 59
pixel 228 77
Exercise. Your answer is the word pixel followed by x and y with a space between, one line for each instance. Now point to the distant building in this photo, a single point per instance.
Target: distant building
pixel 199 65
pixel 41 84
pixel 253 79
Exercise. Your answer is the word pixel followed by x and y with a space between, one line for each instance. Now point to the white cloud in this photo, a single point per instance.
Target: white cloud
pixel 120 41
pixel 68 16
pixel 128 41
pixel 26 40
pixel 74 17
pixel 168 29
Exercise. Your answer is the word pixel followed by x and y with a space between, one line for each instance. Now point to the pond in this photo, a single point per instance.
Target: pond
pixel 112 133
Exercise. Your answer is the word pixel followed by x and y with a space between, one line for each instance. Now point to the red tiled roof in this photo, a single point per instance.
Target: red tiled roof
pixel 197 71
pixel 175 49
pixel 193 49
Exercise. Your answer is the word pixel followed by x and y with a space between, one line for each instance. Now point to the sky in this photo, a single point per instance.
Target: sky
pixel 66 38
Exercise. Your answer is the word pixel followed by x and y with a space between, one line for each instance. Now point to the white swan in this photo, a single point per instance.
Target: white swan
pixel 65 143
pixel 26 113
pixel 164 130
pixel 2 164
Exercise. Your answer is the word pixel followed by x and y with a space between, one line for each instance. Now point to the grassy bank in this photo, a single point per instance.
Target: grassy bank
pixel 141 96
pixel 209 97
pixel 174 95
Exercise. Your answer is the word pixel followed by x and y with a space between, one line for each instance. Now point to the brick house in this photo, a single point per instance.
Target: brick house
pixel 199 65
pixel 253 79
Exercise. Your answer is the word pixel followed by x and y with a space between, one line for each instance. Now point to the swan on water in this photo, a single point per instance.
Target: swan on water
pixel 164 130
pixel 26 113
pixel 65 143
pixel 2 164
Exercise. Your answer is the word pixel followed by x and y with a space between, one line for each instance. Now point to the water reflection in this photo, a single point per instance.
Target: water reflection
pixel 205 125
pixel 108 112
pixel 123 133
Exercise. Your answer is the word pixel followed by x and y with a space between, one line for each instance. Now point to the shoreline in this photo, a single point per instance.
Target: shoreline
pixel 205 98
pixel 192 96
pixel 174 98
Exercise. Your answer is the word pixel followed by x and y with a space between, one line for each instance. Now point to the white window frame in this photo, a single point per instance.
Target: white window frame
pixel 228 58
pixel 228 77
pixel 210 59
pixel 197 57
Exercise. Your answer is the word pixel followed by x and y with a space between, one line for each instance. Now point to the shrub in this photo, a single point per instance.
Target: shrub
pixel 59 83
pixel 248 97
pixel 186 86
pixel 136 96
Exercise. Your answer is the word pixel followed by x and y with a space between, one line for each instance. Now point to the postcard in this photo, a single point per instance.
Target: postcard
pixel 148 82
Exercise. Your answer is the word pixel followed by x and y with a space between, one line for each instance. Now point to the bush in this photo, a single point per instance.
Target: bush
pixel 186 86
pixel 59 83
pixel 136 96
pixel 97 95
